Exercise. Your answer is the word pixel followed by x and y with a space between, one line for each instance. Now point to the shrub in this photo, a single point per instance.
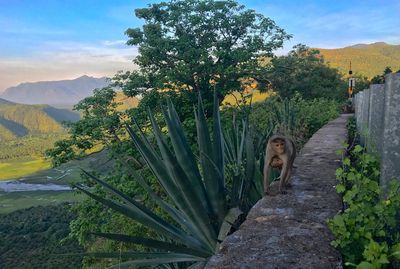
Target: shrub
pixel 368 230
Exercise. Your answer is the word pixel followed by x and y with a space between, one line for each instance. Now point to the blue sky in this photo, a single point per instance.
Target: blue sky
pixel 63 39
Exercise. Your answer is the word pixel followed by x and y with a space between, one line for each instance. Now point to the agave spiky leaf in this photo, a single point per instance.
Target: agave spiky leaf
pixel 148 219
pixel 212 172
pixel 196 209
pixel 180 194
pixel 174 213
pixel 154 244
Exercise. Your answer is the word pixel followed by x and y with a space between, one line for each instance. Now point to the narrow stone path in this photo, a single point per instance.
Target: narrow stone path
pixel 290 231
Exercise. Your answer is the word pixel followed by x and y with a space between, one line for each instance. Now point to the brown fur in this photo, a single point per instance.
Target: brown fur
pixel 279 153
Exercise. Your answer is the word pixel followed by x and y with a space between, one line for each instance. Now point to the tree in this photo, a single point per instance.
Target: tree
pixel 380 79
pixel 362 83
pixel 303 70
pixel 100 124
pixel 193 46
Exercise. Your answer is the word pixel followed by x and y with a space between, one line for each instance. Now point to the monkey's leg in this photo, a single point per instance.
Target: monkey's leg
pixel 282 182
pixel 267 174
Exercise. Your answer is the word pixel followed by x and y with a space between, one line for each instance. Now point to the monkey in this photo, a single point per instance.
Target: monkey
pixel 276 163
pixel 283 148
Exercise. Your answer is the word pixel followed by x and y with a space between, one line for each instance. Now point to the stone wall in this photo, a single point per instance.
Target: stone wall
pixel 377 111
pixel 290 230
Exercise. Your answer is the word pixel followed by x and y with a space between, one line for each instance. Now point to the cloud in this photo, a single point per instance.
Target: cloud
pixel 113 42
pixel 336 24
pixel 66 60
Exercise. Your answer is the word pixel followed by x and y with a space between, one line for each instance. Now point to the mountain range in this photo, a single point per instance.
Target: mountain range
pixel 18 120
pixel 62 92
pixel 366 59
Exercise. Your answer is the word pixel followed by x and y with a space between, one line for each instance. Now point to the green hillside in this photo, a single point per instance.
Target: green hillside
pixel 18 120
pixel 366 59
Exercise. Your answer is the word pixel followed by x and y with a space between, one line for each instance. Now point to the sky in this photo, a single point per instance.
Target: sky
pixel 64 39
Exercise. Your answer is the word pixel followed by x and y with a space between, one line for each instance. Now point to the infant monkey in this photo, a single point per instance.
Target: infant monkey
pixel 276 163
pixel 279 153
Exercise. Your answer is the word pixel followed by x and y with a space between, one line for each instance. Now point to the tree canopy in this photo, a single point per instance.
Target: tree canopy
pixel 195 46
pixel 303 70
pixel 380 79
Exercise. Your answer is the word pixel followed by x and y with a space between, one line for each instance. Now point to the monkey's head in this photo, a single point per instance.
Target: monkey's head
pixel 276 162
pixel 278 145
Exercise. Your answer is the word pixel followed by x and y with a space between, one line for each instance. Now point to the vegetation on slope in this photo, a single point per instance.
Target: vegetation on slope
pixel 367 60
pixel 31 238
pixel 22 120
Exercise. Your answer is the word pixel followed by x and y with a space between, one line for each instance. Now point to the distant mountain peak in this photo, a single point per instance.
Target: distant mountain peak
pixel 362 45
pixel 4 101
pixel 61 92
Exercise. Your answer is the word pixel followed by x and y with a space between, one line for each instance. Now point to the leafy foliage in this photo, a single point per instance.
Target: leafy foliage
pixel 100 125
pixel 303 70
pixel 297 117
pixel 380 79
pixel 368 230
pixel 192 47
pixel 31 238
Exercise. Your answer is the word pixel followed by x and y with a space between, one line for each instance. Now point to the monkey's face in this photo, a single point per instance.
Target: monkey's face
pixel 279 146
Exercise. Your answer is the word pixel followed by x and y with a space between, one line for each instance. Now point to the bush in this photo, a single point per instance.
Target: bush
pixel 368 230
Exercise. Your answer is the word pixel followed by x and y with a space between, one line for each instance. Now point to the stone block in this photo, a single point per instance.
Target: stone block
pixel 376 119
pixel 364 134
pixel 390 164
pixel 358 110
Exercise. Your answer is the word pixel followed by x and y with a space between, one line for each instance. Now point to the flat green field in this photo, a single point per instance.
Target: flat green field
pixel 39 171
pixel 29 172
pixel 11 201
pixel 16 169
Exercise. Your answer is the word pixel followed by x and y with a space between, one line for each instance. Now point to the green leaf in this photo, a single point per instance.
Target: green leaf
pixel 358 149
pixel 177 215
pixel 340 188
pixel 150 220
pixel 211 174
pixel 346 162
pixel 196 209
pixel 229 219
pixel 365 265
pixel 156 261
pixel 396 251
pixel 151 243
pixel 181 197
pixel 197 265
pixel 183 152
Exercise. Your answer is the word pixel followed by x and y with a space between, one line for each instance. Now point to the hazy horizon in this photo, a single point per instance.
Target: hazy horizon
pixel 57 40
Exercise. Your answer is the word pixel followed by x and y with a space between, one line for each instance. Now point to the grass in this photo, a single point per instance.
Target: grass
pixel 39 171
pixel 11 201
pixel 15 169
pixel 65 174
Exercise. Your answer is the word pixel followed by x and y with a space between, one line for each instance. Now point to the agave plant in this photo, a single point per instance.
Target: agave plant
pixel 202 204
pixel 244 159
pixel 284 117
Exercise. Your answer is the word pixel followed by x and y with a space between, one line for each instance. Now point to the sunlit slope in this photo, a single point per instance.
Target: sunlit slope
pixel 368 60
pixel 18 120
pixel 125 102
pixel 235 97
